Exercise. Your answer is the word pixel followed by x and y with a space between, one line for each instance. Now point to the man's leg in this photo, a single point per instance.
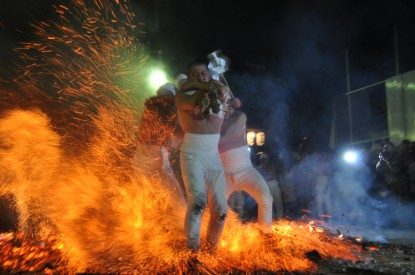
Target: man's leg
pixel 216 201
pixel 193 173
pixel 274 188
pixel 235 200
pixel 321 183
pixel 250 181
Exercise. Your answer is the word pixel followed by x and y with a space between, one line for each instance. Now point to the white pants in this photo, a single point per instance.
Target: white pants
pixel 274 188
pixel 204 181
pixel 250 181
pixel 242 176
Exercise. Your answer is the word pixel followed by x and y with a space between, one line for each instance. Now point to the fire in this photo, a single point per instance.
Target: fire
pixel 68 136
pixel 19 253
pixel 97 221
pixel 372 248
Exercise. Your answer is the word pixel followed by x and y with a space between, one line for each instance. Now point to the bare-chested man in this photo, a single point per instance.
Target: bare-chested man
pixel 200 163
pixel 239 172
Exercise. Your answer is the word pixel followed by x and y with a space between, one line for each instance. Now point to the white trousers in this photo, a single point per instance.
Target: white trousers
pixel 251 181
pixel 204 181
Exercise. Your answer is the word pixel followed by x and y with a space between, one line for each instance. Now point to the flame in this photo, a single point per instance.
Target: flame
pixel 372 248
pixel 69 137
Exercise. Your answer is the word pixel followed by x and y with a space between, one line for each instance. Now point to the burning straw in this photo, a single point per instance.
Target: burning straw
pixel 68 134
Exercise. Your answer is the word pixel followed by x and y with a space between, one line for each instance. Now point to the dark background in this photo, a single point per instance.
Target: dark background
pixel 288 57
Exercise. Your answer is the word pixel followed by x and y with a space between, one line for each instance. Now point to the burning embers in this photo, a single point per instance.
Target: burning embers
pixel 107 220
pixel 121 223
pixel 66 160
pixel 19 254
pixel 291 246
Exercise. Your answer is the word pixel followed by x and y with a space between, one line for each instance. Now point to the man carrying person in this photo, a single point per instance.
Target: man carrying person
pixel 200 108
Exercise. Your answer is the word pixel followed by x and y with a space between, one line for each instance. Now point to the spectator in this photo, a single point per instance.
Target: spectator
pixel 267 170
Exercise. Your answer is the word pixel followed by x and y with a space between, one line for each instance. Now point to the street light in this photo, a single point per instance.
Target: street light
pixel 351 157
pixel 157 78
pixel 260 138
pixel 250 138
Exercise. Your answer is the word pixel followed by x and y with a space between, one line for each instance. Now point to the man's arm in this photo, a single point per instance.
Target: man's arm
pixel 234 128
pixel 186 101
pixel 194 85
pixel 189 101
pixel 222 89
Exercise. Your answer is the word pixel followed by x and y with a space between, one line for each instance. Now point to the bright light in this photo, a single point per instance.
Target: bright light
pixel 260 138
pixel 351 157
pixel 250 138
pixel 157 78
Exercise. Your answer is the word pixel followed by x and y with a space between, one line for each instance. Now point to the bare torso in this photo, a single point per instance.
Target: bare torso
pixel 190 124
pixel 233 132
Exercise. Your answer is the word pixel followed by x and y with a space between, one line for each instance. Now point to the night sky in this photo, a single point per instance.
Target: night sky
pixel 288 57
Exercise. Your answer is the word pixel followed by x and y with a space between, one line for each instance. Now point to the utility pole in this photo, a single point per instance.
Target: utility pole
pixel 349 103
pixel 397 71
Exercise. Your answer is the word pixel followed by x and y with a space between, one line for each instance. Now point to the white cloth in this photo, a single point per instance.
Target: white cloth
pixel 167 89
pixel 200 144
pixel 236 159
pixel 180 79
pixel 204 181
pixel 242 176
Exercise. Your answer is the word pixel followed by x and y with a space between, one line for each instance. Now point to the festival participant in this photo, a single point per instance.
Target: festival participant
pixel 159 135
pixel 199 104
pixel 239 172
pixel 267 170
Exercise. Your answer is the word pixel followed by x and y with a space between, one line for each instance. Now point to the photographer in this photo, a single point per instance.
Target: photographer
pixel 390 168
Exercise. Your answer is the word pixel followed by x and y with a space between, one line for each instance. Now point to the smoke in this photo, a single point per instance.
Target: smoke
pixel 352 203
pixel 309 57
pixel 357 204
pixel 267 101
pixel 345 193
pixel 349 197
pixel 360 211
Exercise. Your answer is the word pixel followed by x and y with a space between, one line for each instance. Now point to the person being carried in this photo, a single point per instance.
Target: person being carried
pixel 159 133
pixel 199 103
pixel 239 172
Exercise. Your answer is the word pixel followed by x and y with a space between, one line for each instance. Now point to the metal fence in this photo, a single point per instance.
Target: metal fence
pixel 385 109
pixel 360 116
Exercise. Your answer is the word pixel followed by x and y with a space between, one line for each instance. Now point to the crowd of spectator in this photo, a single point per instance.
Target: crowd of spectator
pixel 321 185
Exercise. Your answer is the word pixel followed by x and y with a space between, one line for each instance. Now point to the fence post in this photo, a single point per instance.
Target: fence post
pixel 349 103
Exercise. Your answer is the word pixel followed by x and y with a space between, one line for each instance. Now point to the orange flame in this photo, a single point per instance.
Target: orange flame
pixel 67 156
